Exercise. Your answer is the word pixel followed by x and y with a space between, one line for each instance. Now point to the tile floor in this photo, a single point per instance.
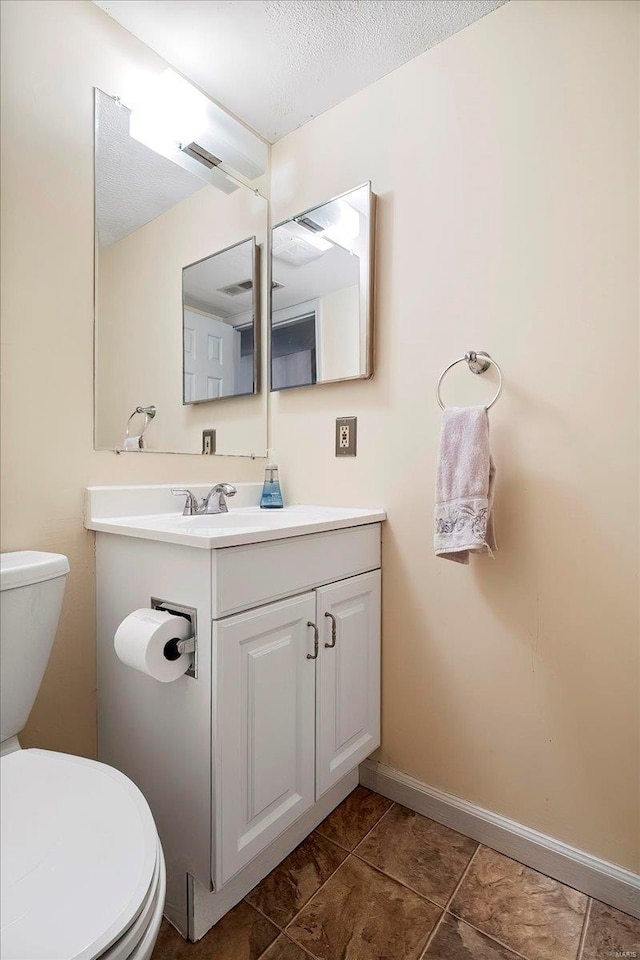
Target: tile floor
pixel 377 881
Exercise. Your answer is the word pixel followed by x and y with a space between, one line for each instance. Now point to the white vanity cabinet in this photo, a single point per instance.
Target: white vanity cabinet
pixel 348 679
pixel 243 760
pixel 264 758
pixel 297 708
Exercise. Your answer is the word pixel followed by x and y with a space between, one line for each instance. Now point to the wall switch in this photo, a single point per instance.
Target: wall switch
pixel 209 441
pixel 346 436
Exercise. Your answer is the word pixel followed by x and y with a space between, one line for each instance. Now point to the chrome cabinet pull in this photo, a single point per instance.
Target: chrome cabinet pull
pixel 334 628
pixel 316 642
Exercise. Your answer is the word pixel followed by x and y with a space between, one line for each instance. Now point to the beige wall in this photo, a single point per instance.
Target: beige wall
pixel 505 160
pixel 53 54
pixel 506 164
pixel 139 316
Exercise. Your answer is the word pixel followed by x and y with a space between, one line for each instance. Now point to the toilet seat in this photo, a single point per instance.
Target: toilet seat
pixel 139 940
pixel 83 873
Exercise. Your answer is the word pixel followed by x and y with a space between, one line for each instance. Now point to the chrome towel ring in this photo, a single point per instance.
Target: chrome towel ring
pixel 149 413
pixel 478 362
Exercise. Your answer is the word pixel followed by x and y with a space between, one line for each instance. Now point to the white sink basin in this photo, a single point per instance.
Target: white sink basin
pixel 239 526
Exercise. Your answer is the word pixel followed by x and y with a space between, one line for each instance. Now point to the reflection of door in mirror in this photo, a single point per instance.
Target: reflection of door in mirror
pixel 174 245
pixel 218 299
pixel 321 325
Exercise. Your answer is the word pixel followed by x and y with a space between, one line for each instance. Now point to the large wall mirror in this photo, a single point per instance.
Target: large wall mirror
pixel 321 293
pixel 177 298
pixel 219 311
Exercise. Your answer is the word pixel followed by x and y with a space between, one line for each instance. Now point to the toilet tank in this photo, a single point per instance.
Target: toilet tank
pixel 31 590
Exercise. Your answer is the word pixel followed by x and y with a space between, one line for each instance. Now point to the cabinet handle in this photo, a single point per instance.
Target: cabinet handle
pixel 334 628
pixel 316 642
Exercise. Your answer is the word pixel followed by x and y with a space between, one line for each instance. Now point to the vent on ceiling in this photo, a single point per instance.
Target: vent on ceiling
pixel 194 150
pixel 244 286
pixel 235 289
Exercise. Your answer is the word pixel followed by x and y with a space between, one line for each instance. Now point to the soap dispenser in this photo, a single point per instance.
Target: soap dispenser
pixel 271 493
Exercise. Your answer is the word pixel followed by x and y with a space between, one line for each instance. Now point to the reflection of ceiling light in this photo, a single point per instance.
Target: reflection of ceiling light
pixel 169 114
pixel 309 224
pixel 309 231
pixel 348 226
pixel 319 243
pixel 338 222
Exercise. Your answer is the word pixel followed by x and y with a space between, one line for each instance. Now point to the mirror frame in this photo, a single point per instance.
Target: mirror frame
pixel 255 277
pixel 369 286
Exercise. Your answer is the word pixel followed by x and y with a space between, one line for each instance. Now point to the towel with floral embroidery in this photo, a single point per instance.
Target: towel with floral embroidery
pixel 465 486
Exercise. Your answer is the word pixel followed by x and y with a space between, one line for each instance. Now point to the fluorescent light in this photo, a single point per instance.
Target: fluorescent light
pixel 168 112
pixel 172 112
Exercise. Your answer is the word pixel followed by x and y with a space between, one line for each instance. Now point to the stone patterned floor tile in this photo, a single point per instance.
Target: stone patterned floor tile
pixel 355 816
pixel 419 852
pixel 530 913
pixel 242 934
pixel 455 940
pixel 284 949
pixel 360 914
pixel 287 888
pixel 609 933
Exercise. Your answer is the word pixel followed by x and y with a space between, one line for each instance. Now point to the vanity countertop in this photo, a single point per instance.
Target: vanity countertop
pixel 243 524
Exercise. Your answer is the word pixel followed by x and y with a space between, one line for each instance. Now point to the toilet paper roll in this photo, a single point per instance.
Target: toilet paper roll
pixel 141 642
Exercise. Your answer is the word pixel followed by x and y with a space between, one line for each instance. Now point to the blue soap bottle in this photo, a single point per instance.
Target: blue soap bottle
pixel 271 498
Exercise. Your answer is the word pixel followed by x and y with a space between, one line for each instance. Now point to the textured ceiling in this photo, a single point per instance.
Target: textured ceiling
pixel 278 63
pixel 202 281
pixel 133 183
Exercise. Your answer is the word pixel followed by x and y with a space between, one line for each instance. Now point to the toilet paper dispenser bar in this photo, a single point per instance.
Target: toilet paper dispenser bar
pixel 175 648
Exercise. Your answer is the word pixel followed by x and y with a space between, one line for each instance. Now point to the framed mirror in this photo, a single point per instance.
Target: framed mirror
pixel 321 327
pixel 177 299
pixel 219 335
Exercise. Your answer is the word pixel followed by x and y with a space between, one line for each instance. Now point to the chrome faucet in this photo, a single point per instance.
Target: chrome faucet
pixel 214 502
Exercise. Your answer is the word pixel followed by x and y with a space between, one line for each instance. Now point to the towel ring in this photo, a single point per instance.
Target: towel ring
pixel 476 365
pixel 149 414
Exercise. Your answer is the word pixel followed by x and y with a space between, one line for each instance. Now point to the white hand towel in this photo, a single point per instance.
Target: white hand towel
pixel 132 443
pixel 465 486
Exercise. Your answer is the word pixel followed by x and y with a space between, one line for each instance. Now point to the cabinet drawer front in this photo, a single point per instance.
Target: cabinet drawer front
pixel 263 729
pixel 348 684
pixel 247 576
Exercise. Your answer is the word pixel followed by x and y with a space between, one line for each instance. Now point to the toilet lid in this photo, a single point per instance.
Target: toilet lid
pixel 79 849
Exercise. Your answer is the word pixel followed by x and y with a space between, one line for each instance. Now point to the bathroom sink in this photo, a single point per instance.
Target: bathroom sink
pixel 244 518
pixel 241 525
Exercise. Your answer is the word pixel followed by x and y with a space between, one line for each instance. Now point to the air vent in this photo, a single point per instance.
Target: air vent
pixel 199 153
pixel 235 289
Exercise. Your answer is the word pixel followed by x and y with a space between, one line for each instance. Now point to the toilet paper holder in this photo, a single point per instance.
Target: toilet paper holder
pixel 189 645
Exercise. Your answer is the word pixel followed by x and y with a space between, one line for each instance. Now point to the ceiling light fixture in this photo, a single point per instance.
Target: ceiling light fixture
pixel 172 117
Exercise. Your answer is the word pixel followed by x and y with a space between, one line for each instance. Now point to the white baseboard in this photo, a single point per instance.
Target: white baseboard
pixel 206 908
pixel 600 879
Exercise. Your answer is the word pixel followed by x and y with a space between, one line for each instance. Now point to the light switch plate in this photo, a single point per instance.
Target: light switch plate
pixel 346 436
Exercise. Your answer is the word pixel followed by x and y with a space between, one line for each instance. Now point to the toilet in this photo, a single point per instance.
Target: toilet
pixel 83 875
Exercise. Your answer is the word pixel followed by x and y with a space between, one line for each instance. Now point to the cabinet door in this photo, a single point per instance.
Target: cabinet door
pixel 263 728
pixel 348 687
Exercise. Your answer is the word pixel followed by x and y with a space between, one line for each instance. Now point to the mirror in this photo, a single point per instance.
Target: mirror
pixel 177 299
pixel 321 293
pixel 218 324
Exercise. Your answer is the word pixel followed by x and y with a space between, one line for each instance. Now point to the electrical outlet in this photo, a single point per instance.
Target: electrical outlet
pixel 346 436
pixel 209 441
